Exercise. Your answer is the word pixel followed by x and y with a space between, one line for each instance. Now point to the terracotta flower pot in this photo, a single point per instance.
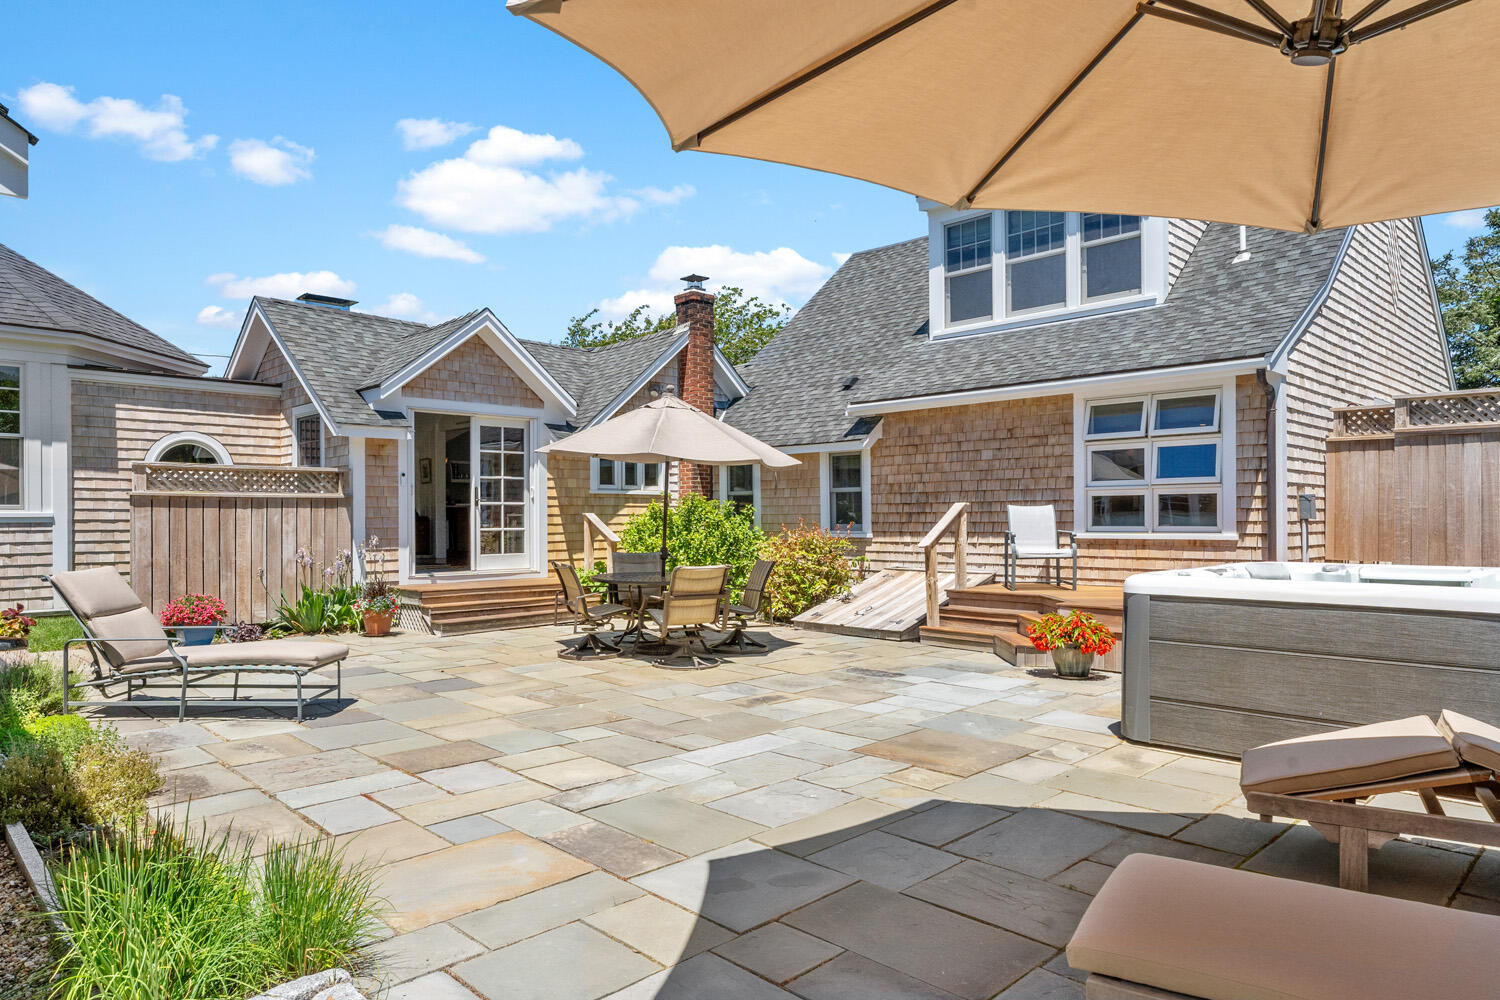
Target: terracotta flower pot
pixel 1070 661
pixel 378 622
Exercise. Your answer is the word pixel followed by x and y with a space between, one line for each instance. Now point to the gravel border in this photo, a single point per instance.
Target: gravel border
pixel 25 947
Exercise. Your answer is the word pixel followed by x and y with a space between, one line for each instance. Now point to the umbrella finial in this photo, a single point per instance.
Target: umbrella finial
pixel 695 281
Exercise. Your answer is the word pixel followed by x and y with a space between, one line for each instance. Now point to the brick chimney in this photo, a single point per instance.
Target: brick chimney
pixel 695 370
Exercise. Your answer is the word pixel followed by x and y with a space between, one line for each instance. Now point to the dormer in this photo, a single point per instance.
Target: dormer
pixel 990 271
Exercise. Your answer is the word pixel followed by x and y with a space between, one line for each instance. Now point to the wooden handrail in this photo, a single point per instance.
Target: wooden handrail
pixel 592 527
pixel 955 520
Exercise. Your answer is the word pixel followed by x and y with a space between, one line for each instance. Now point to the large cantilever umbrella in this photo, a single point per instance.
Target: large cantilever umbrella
pixel 669 430
pixel 1257 112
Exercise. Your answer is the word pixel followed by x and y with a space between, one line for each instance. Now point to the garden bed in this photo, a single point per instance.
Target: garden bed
pixel 25 942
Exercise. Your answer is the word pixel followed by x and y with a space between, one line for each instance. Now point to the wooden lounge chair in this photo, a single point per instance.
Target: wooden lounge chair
pixel 588 617
pixel 1032 533
pixel 1165 929
pixel 1327 780
pixel 738 616
pixel 129 646
pixel 692 603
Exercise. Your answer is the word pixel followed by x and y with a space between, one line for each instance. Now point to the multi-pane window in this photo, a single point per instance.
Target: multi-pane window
pixel 968 263
pixel 739 485
pixel 11 442
pixel 611 476
pixel 188 453
pixel 310 441
pixel 846 492
pixel 1155 463
pixel 1111 256
pixel 1036 262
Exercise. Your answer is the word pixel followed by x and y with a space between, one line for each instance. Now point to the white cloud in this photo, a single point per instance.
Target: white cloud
pixel 274 163
pixel 160 132
pixel 1471 220
pixel 287 285
pixel 489 190
pixel 782 276
pixel 839 258
pixel 429 133
pixel 217 316
pixel 426 243
pixel 405 305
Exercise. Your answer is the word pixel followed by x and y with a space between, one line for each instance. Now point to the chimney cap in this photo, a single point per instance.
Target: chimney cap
pixel 695 281
pixel 329 301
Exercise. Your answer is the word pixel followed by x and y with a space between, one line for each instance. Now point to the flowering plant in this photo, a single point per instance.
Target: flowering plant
pixel 14 623
pixel 375 598
pixel 193 609
pixel 1084 631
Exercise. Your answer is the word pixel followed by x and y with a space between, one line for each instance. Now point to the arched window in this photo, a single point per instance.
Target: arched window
pixel 189 448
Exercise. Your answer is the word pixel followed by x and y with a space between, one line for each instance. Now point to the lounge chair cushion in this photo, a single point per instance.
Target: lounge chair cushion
pixel 1478 743
pixel 305 654
pixel 111 610
pixel 1223 934
pixel 1379 752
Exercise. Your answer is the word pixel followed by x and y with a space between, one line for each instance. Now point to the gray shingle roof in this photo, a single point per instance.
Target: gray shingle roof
pixel 870 320
pixel 32 296
pixel 612 368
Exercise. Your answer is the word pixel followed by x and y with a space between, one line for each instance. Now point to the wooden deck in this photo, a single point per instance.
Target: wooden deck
pixel 891 604
pixel 447 607
pixel 993 617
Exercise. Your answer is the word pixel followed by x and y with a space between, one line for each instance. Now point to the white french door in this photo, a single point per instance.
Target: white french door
pixel 500 453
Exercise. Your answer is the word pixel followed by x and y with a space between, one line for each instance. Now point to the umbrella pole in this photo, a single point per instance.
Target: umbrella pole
pixel 666 503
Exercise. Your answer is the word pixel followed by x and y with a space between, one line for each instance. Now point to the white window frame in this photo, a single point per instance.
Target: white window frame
pixel 1154 252
pixel 1223 484
pixel 825 493
pixel 208 443
pixel 619 487
pixel 1069 224
pixel 23 448
pixel 1139 233
pixel 723 491
pixel 294 418
pixel 965 271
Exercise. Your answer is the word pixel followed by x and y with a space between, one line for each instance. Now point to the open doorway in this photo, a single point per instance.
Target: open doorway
pixel 444 493
pixel 472 495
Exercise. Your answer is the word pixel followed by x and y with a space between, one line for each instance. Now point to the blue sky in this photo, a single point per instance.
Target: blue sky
pixel 201 152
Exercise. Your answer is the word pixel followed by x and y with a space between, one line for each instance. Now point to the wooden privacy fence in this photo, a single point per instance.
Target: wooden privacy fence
pixel 212 529
pixel 1416 481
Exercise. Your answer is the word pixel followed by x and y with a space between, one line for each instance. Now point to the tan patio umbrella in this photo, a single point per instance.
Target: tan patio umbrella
pixel 1256 112
pixel 669 430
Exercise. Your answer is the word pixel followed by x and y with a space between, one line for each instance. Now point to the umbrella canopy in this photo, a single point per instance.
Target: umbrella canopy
pixel 1289 114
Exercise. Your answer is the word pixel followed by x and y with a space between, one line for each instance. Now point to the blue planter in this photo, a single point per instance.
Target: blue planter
pixel 195 635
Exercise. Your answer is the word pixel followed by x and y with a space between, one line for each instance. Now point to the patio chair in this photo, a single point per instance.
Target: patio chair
pixel 589 618
pixel 738 616
pixel 638 562
pixel 129 646
pixel 694 597
pixel 1165 929
pixel 1032 533
pixel 1328 779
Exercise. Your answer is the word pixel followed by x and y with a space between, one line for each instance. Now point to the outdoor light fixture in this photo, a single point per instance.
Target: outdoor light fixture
pixel 1314 40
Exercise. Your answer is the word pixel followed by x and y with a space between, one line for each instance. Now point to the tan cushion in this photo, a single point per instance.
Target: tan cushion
pixel 307 654
pixel 111 610
pixel 1222 934
pixel 1477 742
pixel 137 624
pixel 1379 752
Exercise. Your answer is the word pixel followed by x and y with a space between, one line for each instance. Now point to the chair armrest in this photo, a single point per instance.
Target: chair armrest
pixel 1072 538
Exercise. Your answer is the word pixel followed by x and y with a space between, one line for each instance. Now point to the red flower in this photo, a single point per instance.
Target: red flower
pixel 1077 629
pixel 193 609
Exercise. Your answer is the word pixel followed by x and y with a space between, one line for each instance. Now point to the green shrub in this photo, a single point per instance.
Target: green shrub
pixel 33 685
pixel 67 733
pixel 115 780
pixel 700 532
pixel 158 913
pixel 61 787
pixel 812 566
pixel 316 611
pixel 37 789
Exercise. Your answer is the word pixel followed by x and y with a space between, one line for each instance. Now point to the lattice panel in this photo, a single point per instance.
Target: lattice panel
pixel 1371 421
pixel 258 479
pixel 1433 411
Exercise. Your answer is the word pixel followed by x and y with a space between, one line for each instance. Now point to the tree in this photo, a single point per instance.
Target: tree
pixel 743 324
pixel 1469 293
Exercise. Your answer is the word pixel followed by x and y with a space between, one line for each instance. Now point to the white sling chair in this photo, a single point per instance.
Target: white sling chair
pixel 1033 534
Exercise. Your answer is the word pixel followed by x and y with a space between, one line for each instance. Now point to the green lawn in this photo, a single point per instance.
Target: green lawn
pixel 52 631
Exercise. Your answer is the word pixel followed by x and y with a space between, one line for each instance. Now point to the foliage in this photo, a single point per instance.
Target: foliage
pixel 154 912
pixel 743 324
pixel 700 532
pixel 243 632
pixel 51 631
pixel 1078 629
pixel 14 622
pixel 1468 290
pixel 586 574
pixel 37 789
pixel 376 597
pixel 812 565
pixel 31 687
pixel 72 779
pixel 193 609
pixel 312 613
pixel 326 596
pixel 115 780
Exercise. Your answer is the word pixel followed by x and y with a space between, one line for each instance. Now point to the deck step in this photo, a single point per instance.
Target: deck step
pixel 451 607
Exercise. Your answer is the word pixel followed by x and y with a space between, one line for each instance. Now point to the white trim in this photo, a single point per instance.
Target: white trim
pixel 294 416
pixel 1437 309
pixel 971 397
pixel 163 444
pixel 405 514
pixel 458 406
pixel 259 313
pixel 723 490
pixel 390 433
pixel 1277 359
pixel 1279 499
pixel 825 489
pixel 194 383
pixel 99 345
pixel 357 490
pixel 1156 398
pixel 721 363
pixel 853 444
pixel 520 360
pixel 10 515
pixel 1185 535
pixel 1144 398
pixel 619 489
pixel 1156 444
pixel 59 488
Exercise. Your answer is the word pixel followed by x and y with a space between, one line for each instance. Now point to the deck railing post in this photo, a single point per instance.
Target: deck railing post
pixel 930 560
pixel 961 551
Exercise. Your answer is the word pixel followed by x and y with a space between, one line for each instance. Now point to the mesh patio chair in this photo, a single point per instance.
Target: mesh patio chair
pixel 637 562
pixel 739 616
pixel 588 618
pixel 1033 534
pixel 692 603
pixel 129 646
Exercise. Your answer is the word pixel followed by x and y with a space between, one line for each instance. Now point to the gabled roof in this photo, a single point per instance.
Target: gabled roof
pixel 32 296
pixel 870 321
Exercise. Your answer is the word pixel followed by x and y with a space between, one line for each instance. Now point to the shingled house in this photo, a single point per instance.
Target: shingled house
pixel 1166 384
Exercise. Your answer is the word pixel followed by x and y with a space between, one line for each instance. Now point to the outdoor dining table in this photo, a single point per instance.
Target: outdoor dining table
pixel 637 583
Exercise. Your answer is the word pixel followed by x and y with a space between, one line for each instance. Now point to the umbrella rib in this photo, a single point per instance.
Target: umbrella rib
pixel 1420 12
pixel 813 73
pixel 1369 9
pixel 1207 17
pixel 1270 13
pixel 1314 223
pixel 1057 102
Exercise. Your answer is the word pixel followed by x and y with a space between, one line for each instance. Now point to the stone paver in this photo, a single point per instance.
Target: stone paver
pixel 839 817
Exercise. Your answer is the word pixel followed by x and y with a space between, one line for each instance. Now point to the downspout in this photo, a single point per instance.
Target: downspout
pixel 1273 518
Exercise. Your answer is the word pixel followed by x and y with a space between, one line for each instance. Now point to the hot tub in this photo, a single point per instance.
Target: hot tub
pixel 1224 658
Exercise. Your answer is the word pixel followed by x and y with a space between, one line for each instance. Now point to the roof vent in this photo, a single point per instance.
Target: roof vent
pixel 850 382
pixel 327 301
pixel 695 281
pixel 1244 253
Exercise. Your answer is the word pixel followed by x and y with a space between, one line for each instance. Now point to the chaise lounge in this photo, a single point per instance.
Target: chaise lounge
pixel 129 646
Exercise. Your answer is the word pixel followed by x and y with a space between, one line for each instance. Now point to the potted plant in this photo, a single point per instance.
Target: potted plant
pixel 194 617
pixel 1073 640
pixel 376 606
pixel 14 627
